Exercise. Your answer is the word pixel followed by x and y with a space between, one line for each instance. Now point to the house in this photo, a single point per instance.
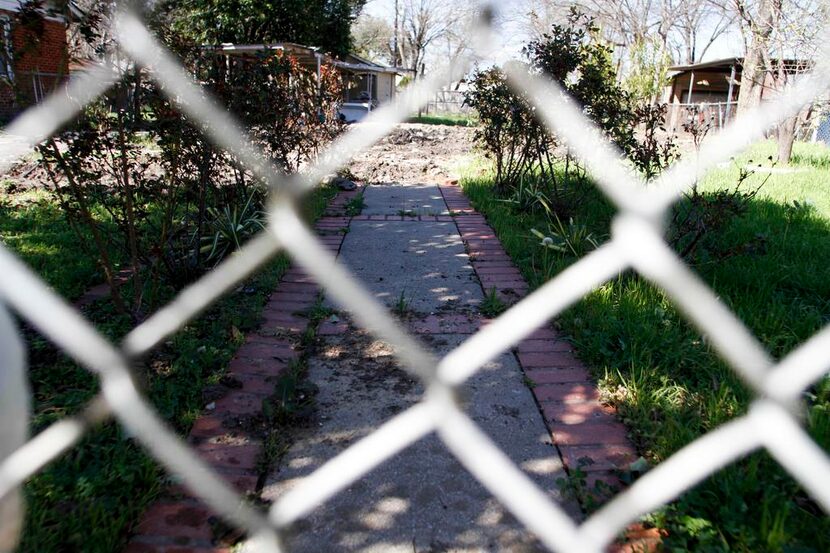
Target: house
pixel 33 52
pixel 710 89
pixel 367 84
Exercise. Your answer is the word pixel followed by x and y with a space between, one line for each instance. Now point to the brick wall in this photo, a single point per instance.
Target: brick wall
pixel 40 63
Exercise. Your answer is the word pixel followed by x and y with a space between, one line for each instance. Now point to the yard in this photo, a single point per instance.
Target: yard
pixel 769 266
pixel 315 400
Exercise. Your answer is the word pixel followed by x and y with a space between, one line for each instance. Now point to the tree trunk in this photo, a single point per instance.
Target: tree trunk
pixel 754 73
pixel 786 136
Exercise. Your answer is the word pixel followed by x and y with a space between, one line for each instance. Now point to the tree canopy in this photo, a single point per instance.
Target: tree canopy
pixel 323 23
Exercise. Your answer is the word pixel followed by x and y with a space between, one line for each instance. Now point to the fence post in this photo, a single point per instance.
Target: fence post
pixel 14 429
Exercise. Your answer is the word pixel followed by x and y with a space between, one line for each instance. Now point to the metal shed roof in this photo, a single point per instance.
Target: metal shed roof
pixel 305 54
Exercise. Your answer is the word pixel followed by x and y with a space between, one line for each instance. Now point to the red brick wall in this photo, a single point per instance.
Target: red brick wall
pixel 45 53
pixel 37 57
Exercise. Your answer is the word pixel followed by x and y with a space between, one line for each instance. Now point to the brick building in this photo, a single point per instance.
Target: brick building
pixel 33 52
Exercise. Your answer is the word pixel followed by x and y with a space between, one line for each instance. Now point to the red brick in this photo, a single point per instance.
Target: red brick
pixel 297 278
pixel 544 346
pixel 603 457
pixel 584 391
pixel 298 288
pixel 328 328
pixel 265 367
pixel 241 457
pixel 502 284
pixel 244 481
pixel 470 234
pixel 278 348
pixel 296 272
pixel 256 384
pixel 239 403
pixel 279 296
pixel 488 255
pixel 176 520
pixel 577 413
pixel 286 323
pixel 178 549
pixel 557 376
pixel 278 343
pixel 549 360
pixel 516 288
pixel 485 245
pixel 265 351
pixel 483 264
pixel 590 433
pixel 289 307
pixel 510 273
pixel 543 333
pixel 211 425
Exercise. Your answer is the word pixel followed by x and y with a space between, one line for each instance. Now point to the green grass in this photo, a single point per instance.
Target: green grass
pixel 450 120
pixel 33 225
pixel 668 384
pixel 807 182
pixel 492 306
pixel 89 499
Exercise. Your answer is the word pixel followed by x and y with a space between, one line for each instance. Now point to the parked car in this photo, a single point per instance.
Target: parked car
pixel 355 112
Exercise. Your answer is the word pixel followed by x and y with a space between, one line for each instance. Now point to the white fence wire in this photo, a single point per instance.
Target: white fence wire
pixel 637 242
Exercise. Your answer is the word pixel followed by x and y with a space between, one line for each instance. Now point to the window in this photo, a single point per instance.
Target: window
pixel 6 70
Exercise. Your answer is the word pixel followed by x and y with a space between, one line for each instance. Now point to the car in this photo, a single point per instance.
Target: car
pixel 355 112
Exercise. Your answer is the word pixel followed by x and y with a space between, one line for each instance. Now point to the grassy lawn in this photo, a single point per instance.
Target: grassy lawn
pixel 32 224
pixel 458 120
pixel 666 382
pixel 89 499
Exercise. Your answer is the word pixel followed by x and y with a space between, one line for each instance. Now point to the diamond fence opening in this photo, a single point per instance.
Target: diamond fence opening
pixel 637 242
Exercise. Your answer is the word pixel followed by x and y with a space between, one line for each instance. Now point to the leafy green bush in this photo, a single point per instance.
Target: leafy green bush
pixel 180 203
pixel 509 133
pixel 578 58
pixel 575 56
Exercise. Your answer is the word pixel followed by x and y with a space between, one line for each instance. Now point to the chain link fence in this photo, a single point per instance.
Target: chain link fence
pixel 448 102
pixel 637 242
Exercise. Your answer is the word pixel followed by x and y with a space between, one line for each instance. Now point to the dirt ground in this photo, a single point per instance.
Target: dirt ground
pixel 414 153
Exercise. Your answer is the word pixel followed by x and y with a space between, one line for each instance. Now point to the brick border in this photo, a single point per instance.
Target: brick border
pixel 178 523
pixel 585 431
pixel 429 218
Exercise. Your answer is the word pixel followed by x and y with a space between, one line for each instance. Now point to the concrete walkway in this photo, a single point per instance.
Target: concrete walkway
pixel 410 254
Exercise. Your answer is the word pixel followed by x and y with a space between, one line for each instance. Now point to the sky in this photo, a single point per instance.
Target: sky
pixel 510 41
